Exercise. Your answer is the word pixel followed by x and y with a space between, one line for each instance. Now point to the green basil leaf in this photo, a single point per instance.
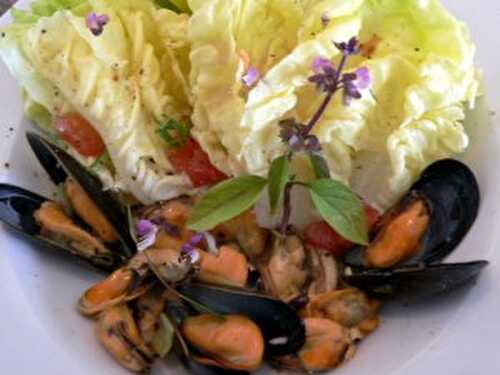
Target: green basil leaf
pixel 319 164
pixel 341 208
pixel 164 337
pixel 279 176
pixel 225 201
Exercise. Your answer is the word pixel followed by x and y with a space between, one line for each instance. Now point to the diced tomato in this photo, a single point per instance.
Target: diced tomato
pixel 323 236
pixel 193 161
pixel 80 134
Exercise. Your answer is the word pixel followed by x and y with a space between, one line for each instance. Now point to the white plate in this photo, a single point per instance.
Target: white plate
pixel 40 330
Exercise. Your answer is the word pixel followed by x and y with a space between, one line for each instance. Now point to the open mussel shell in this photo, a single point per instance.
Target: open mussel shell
pixel 17 208
pixel 415 282
pixel 282 328
pixel 451 194
pixel 59 165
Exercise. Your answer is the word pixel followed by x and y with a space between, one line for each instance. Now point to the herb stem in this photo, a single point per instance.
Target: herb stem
pixel 321 110
pixel 287 208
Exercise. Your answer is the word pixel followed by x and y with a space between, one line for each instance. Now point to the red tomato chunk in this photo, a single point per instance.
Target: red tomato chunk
pixel 193 161
pixel 80 134
pixel 323 236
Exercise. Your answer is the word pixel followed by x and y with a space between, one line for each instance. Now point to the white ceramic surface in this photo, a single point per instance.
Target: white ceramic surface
pixel 41 332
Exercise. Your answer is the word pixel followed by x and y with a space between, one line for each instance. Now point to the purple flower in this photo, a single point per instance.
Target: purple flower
pixel 325 19
pixel 322 64
pixel 146 231
pixel 354 83
pixel 251 77
pixel 144 227
pixel 294 136
pixel 312 143
pixel 350 48
pixel 363 78
pixel 189 248
pixel 96 22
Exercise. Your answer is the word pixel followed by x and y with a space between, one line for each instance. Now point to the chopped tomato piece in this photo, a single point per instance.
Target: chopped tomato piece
pixel 80 134
pixel 323 236
pixel 193 161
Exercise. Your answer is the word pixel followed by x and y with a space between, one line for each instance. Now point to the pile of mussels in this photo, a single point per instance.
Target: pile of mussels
pixel 261 295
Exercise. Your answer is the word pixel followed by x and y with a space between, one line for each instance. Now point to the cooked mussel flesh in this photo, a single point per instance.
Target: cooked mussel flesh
pixel 327 345
pixel 87 210
pixel 229 341
pixel 280 324
pixel 117 331
pixel 293 269
pixel 245 231
pixel 350 307
pixel 134 279
pixel 229 267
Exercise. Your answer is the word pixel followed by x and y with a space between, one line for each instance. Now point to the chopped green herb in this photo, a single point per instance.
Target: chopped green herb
pixel 173 132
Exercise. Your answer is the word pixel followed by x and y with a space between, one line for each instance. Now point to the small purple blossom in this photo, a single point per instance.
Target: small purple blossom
pixel 349 48
pixel 146 231
pixel 322 64
pixel 189 248
pixel 354 83
pixel 144 227
pixel 293 134
pixel 364 78
pixel 96 23
pixel 325 19
pixel 251 77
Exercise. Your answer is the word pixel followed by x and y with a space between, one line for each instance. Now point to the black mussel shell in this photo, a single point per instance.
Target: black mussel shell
pixel 59 165
pixel 17 207
pixel 415 282
pixel 282 328
pixel 451 193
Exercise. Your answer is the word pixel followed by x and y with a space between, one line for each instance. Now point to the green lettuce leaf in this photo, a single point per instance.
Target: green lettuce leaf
pixel 423 72
pixel 122 85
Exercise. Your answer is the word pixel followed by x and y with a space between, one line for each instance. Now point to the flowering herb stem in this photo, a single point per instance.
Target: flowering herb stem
pixel 321 110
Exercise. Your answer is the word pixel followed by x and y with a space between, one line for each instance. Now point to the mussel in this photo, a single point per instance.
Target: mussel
pixel 327 345
pixel 293 269
pixel 281 326
pixel 197 355
pixel 44 222
pixel 63 168
pixel 117 331
pixel 418 232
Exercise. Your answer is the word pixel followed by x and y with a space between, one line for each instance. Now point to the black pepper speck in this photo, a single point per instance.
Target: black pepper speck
pixel 7 165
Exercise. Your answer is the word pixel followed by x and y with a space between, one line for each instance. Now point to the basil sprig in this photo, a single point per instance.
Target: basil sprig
pixel 334 201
